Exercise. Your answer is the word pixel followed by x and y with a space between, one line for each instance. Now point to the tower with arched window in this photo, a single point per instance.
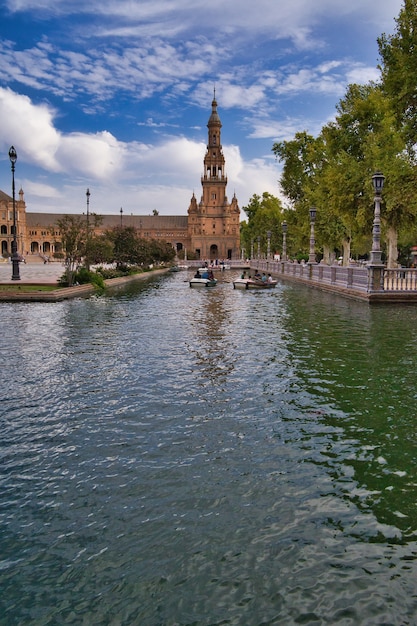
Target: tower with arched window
pixel 213 223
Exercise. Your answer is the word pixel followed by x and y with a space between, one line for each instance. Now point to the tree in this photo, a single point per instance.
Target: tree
pixel 90 225
pixel 299 156
pixel 333 173
pixel 130 248
pixel 73 237
pixel 264 214
pixel 398 53
pixel 100 250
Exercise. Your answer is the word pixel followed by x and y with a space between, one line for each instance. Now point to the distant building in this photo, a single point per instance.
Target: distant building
pixel 210 231
pixel 213 223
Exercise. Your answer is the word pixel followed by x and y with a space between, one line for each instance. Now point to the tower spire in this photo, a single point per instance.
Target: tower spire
pixel 214 222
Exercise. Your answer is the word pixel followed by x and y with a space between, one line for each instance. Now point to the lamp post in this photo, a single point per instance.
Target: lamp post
pixel 87 262
pixel 259 247
pixel 312 255
pixel 15 256
pixel 268 250
pixel 378 183
pixel 284 240
pixel 121 217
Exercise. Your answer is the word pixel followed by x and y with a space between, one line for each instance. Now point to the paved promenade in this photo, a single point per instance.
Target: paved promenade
pixel 32 273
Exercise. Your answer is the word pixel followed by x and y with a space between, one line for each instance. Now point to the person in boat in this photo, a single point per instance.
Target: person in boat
pixel 211 275
pixel 206 274
pixel 270 279
pixel 258 275
pixel 263 277
pixel 197 274
pixel 243 275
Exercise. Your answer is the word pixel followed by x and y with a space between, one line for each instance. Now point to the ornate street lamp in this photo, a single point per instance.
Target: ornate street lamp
pixel 87 245
pixel 15 256
pixel 284 240
pixel 312 255
pixel 378 183
pixel 268 251
pixel 121 217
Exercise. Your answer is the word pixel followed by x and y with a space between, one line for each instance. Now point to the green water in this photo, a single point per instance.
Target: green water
pixel 172 456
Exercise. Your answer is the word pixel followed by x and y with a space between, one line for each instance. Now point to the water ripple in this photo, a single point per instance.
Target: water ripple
pixel 173 456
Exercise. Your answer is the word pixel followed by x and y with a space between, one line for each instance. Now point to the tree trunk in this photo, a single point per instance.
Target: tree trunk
pixel 392 241
pixel 346 252
pixel 326 255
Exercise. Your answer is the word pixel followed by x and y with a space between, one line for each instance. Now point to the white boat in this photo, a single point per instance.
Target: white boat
pixel 203 282
pixel 249 283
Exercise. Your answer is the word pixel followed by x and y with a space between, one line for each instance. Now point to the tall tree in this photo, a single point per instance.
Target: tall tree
pixel 265 214
pixel 300 161
pixel 398 53
pixel 73 236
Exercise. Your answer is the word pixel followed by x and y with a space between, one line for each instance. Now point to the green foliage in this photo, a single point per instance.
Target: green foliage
pixel 100 250
pixel 73 236
pixel 398 53
pixel 300 157
pixel 83 276
pixel 129 248
pixel 375 128
pixel 265 214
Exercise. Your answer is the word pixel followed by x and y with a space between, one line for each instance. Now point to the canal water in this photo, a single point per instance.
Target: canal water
pixel 181 457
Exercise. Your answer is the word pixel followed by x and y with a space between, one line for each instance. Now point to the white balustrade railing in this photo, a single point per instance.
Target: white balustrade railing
pixel 354 277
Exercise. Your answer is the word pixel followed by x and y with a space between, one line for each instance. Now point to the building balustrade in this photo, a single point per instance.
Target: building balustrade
pixel 221 178
pixel 364 281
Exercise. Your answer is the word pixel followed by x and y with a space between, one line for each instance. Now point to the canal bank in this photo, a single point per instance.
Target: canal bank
pixel 42 277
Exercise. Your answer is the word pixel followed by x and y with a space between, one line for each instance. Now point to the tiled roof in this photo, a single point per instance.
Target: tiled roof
pixel 4 196
pixel 144 222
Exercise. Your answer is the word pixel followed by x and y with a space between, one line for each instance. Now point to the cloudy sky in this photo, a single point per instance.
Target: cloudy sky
pixel 115 95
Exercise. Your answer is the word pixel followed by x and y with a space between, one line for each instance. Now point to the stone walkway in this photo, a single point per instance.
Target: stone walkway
pixel 32 273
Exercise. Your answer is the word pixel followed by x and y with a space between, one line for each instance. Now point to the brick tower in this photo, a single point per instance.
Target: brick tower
pixel 213 223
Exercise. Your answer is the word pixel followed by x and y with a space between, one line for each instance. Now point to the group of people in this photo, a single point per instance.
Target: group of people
pixel 206 274
pixel 258 276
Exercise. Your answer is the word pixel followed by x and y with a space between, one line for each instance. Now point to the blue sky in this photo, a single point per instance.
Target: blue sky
pixel 115 95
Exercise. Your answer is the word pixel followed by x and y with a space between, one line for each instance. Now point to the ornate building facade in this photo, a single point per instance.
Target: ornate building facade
pixel 210 231
pixel 213 223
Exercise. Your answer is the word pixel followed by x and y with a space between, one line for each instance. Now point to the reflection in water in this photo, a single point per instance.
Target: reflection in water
pixel 358 361
pixel 174 456
pixel 210 344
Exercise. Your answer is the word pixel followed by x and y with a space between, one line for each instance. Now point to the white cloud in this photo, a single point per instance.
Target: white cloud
pixel 40 191
pixel 98 156
pixel 361 75
pixel 30 128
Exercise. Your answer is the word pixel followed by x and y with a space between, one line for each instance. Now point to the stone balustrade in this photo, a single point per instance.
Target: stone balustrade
pixel 372 283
